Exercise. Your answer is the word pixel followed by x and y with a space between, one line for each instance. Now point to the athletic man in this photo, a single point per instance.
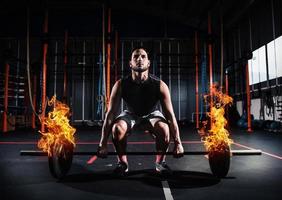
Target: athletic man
pixel 142 92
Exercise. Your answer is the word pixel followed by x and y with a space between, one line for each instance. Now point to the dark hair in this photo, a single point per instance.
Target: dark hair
pixel 140 47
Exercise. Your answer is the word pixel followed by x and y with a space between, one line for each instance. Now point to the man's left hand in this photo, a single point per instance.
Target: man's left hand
pixel 178 150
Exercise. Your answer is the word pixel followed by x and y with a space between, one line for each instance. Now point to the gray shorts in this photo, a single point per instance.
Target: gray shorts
pixel 134 121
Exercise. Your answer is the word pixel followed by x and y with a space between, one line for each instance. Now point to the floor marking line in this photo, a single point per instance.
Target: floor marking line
pixel 263 152
pixel 85 143
pixel 14 142
pixel 167 191
pixel 92 160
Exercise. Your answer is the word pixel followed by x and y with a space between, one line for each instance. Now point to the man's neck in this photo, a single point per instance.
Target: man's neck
pixel 139 77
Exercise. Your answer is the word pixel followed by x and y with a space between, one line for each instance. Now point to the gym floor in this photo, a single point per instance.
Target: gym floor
pixel 249 177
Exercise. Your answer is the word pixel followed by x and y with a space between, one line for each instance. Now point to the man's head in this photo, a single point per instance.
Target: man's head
pixel 139 60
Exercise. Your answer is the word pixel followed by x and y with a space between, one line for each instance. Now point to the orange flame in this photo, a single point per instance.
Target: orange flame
pixel 59 131
pixel 217 137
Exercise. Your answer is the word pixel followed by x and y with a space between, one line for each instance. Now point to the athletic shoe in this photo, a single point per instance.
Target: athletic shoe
pixel 163 169
pixel 121 169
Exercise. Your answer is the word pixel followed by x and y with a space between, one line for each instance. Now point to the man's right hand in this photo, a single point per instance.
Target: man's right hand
pixel 102 151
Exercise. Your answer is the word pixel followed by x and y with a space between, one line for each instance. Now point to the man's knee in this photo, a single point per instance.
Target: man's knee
pixel 162 131
pixel 119 130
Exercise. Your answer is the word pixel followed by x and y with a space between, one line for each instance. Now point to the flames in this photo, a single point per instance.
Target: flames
pixel 214 135
pixel 59 131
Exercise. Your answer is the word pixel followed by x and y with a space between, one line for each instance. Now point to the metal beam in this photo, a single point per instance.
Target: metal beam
pixel 240 12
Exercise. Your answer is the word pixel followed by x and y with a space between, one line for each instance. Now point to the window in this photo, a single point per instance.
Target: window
pixel 278 49
pixel 271 60
pixel 257 65
pixel 262 64
pixel 250 72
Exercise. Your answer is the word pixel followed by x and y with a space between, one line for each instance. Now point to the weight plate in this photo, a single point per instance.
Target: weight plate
pixel 61 159
pixel 220 161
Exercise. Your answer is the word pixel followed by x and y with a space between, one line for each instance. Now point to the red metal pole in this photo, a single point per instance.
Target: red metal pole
pixel 248 99
pixel 65 67
pixel 33 125
pixel 108 91
pixel 210 65
pixel 116 55
pixel 197 79
pixel 226 83
pixel 45 49
pixel 6 93
pixel 226 92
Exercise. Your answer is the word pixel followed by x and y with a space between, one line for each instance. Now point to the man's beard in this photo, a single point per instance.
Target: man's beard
pixel 140 69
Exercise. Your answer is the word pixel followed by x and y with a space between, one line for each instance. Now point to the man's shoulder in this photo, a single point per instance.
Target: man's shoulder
pixel 117 84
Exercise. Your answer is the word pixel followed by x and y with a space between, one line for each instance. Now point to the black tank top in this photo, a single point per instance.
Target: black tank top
pixel 141 98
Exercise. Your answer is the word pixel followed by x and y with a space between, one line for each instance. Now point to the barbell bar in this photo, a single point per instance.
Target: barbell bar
pixel 145 153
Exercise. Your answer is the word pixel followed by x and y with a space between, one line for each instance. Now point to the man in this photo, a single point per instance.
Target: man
pixel 141 92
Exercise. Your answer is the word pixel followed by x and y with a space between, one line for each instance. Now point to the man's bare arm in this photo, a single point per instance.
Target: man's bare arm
pixel 114 104
pixel 172 123
pixel 169 113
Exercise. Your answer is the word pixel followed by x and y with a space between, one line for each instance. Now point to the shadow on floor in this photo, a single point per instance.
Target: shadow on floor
pixel 105 182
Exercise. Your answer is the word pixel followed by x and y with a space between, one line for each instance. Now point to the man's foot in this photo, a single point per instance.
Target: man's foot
pixel 121 169
pixel 163 169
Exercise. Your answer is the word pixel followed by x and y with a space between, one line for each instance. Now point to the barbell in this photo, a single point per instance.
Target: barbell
pixel 60 159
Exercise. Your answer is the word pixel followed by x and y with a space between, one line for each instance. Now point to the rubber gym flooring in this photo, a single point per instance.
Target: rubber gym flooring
pixel 249 177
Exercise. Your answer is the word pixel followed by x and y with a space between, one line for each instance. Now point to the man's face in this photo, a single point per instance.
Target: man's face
pixel 139 61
